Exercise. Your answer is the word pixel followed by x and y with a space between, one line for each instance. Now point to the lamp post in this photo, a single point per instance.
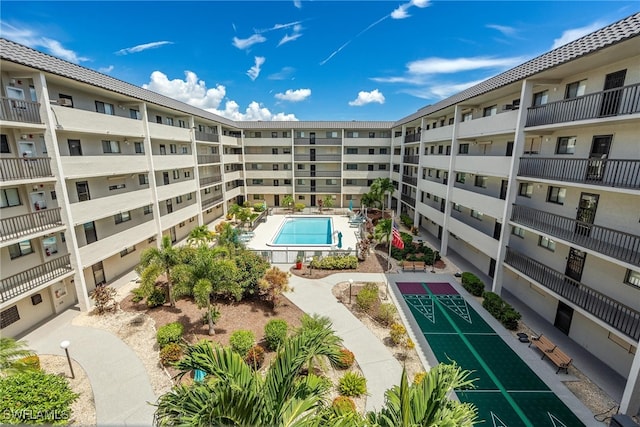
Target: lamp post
pixel 65 346
pixel 350 284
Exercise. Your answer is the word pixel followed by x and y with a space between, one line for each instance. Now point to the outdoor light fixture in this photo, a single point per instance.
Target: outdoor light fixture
pixel 65 346
pixel 350 284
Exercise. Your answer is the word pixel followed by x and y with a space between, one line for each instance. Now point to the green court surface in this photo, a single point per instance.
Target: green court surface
pixel 507 392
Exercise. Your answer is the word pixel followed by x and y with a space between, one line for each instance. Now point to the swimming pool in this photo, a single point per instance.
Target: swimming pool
pixel 304 231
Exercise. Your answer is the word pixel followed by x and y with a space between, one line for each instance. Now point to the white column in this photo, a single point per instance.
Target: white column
pixel 630 403
pixel 152 174
pixel 196 171
pixel 444 242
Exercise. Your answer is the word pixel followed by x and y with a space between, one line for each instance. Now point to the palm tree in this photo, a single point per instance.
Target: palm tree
pixel 157 261
pixel 382 186
pixel 222 273
pixel 200 235
pixel 235 394
pixel 426 403
pixel 11 351
pixel 383 230
pixel 287 201
pixel 228 235
pixel 369 199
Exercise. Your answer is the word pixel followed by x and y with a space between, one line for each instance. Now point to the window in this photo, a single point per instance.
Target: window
pixel 116 187
pixel 372 134
pixel 207 190
pixel 575 89
pixel 4 144
pixel 632 278
pixel 139 148
pixel 547 243
pixel 526 189
pixel 300 166
pixel 300 197
pixel 490 111
pixel 382 167
pixel 353 135
pixel 257 134
pixel 286 167
pixel 540 98
pixel 9 316
pixel 275 167
pixel 457 207
pixel 566 145
pixel 331 182
pixel 467 117
pixel 276 183
pixel 274 135
pixel 556 195
pixel 383 151
pixel 182 224
pixel 54 196
pixel 448 151
pixel 476 214
pixel 127 251
pixel 285 134
pixel 274 151
pixel 10 197
pixel 440 149
pixel 143 179
pixel 432 150
pixel 460 177
pixel 436 199
pixel 20 249
pixel 110 146
pixel 178 199
pixel 147 210
pixel 287 182
pixel 173 148
pixel 187 174
pixel 481 181
pixel 369 167
pixel 352 167
pixel 257 181
pixel 517 231
pixel 190 196
pixel 182 123
pixel 122 217
pixel 134 114
pixel 451 121
pixel 429 172
pixel 185 149
pixel 170 121
pixel 104 108
pixel 351 150
pixel 68 103
pixel 372 151
pixel 332 134
pixel 176 174
pixel 286 151
pixel 463 149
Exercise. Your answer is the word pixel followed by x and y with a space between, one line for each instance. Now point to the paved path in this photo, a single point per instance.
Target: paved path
pixel 121 387
pixel 378 365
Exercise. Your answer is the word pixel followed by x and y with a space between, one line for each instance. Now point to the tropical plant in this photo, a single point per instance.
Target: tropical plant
pixel 352 384
pixel 241 341
pixel 255 357
pixel 234 394
pixel 299 207
pixel 346 360
pixel 369 199
pixel 275 333
pixel 273 284
pixel 155 262
pixel 228 235
pixel 11 351
pixel 386 313
pixel 170 353
pixel 382 231
pixel 366 297
pixel 251 268
pixel 156 298
pixel 200 235
pixel 171 332
pixel 328 202
pixel 104 299
pixel 397 333
pixel 287 201
pixel 382 187
pixel 343 404
pixel 427 403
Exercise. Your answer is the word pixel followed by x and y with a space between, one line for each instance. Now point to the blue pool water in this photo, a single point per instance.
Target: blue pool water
pixel 305 231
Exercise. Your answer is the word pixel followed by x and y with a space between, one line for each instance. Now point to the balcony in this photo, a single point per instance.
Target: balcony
pixel 317 189
pixel 204 136
pixel 613 313
pixel 317 158
pixel 321 174
pixel 414 137
pixel 24 225
pixel 414 160
pixel 17 110
pixel 208 180
pixel 411 180
pixel 20 283
pixel 106 165
pixel 408 200
pixel 601 172
pixel 172 161
pixel 317 141
pixel 212 201
pixel 29 168
pixel 608 103
pixel 616 244
pixel 204 159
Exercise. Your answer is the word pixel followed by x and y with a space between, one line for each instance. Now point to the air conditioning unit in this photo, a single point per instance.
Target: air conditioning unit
pixel 65 102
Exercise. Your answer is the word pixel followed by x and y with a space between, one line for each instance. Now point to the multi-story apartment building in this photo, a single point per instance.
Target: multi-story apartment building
pixel 533 176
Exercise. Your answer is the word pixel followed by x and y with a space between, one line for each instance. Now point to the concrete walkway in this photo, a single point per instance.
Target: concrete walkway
pixel 121 387
pixel 378 365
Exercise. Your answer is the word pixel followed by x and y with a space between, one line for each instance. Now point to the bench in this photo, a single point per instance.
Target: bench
pixel 552 352
pixel 543 344
pixel 413 266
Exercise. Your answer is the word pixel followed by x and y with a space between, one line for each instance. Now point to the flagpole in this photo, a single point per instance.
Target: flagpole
pixel 389 242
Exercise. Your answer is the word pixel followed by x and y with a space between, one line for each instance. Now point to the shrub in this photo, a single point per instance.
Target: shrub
pixel 352 384
pixel 406 220
pixel 28 393
pixel 31 362
pixel 343 404
pixel 241 341
pixel 472 283
pixel 104 299
pixel 258 207
pixel 138 294
pixel 346 359
pixel 367 296
pixel 417 380
pixel 501 310
pixel 275 332
pixel 335 262
pixel 170 353
pixel 397 333
pixel 299 207
pixel 156 298
pixel 171 332
pixel 255 357
pixel 386 313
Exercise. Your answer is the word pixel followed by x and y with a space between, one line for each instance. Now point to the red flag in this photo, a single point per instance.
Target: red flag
pixel 396 238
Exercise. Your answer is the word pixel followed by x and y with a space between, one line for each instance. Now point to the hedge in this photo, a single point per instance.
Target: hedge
pixel 171 332
pixel 501 310
pixel 335 262
pixel 472 283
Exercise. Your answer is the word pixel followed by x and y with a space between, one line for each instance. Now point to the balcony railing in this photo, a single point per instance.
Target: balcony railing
pixel 20 283
pixel 26 168
pixel 317 157
pixel 318 141
pixel 17 110
pixel 414 160
pixel 317 173
pixel 317 189
pixel 605 172
pixel 23 225
pixel 207 203
pixel 616 244
pixel 412 180
pixel 210 180
pixel 204 136
pixel 408 199
pixel 608 103
pixel 414 137
pixel 610 311
pixel 208 158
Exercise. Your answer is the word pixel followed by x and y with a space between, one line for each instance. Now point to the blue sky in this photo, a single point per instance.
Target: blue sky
pixel 302 59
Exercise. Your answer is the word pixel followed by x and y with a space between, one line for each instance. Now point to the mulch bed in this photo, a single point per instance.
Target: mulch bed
pixel 374 263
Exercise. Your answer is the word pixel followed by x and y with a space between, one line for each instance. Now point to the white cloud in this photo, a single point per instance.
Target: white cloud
pixel 294 95
pixel 106 70
pixel 442 65
pixel 248 42
pixel 505 30
pixel 293 36
pixel 194 92
pixel 367 98
pixel 254 71
pixel 440 90
pixel 141 47
pixel 31 38
pixel 278 27
pixel 401 12
pixel 284 74
pixel 574 34
pixel 297 3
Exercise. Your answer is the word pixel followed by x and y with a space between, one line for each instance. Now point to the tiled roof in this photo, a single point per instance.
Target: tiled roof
pixel 624 29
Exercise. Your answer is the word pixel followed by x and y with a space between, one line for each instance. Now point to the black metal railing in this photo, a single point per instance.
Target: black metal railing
pixel 22 225
pixel 332 189
pixel 300 173
pixel 204 136
pixel 411 159
pixel 17 110
pixel 208 158
pixel 211 201
pixel 210 180
pixel 608 103
pixel 614 243
pixel 610 311
pixel 605 172
pixel 414 137
pixel 25 168
pixel 317 157
pixel 412 180
pixel 317 141
pixel 408 200
pixel 20 283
